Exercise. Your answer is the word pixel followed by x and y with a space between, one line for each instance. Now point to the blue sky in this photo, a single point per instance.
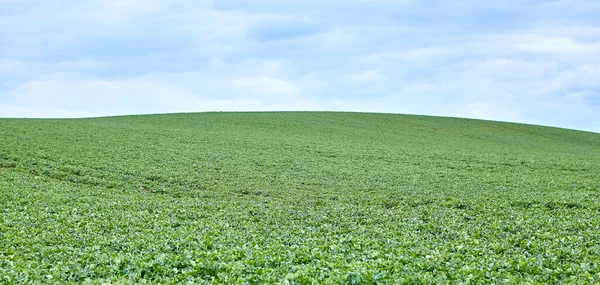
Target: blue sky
pixel 523 61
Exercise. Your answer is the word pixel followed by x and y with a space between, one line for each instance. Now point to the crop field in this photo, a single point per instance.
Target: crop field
pixel 297 198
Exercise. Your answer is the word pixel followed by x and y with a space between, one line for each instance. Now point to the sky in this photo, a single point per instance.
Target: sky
pixel 534 62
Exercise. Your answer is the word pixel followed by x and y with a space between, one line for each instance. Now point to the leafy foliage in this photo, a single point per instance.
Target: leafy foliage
pixel 297 198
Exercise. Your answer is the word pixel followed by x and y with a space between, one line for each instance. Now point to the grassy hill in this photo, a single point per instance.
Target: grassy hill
pixel 297 197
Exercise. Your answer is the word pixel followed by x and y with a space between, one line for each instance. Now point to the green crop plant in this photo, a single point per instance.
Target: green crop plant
pixel 297 198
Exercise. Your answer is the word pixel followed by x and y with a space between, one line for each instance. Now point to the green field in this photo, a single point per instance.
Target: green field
pixel 298 198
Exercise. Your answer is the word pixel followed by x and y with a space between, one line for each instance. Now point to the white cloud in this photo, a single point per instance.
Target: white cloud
pixel 574 5
pixel 15 67
pixel 265 86
pixel 24 111
pixel 551 44
pixel 416 57
pixel 79 64
pixel 367 76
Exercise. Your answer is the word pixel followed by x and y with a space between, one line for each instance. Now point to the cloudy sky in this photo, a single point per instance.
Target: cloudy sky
pixel 523 61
